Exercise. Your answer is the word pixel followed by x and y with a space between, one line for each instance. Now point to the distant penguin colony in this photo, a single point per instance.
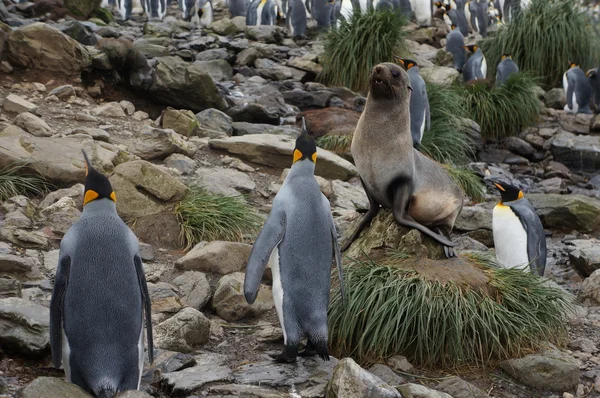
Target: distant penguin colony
pixel 100 298
pixel 299 241
pixel 578 90
pixel 420 119
pixel 519 237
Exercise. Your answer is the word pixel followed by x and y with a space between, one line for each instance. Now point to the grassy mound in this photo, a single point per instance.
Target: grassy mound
pixel 443 313
pixel 544 38
pixel 13 182
pixel 469 182
pixel 338 143
pixel 502 111
pixel 207 216
pixel 362 42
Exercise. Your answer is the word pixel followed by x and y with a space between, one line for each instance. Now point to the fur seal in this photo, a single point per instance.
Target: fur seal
pixel 394 174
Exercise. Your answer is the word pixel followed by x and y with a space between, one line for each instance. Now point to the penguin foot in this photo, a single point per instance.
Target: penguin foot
pixel 288 355
pixel 309 350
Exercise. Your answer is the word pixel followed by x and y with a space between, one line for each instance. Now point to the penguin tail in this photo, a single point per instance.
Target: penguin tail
pixel 321 348
pixel 106 392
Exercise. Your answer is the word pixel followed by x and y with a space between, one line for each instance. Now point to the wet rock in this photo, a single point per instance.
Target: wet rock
pixel 254 113
pixel 590 290
pixel 555 98
pixel 567 212
pixel 24 327
pixel 584 256
pixel 308 100
pixel 213 123
pixel 218 69
pixel 412 390
pixel 209 369
pixel 20 267
pixel 549 370
pixel 33 124
pixel 351 381
pixel 15 104
pixel 387 375
pixel 110 109
pixel 153 143
pixel 580 153
pixel 181 163
pixel 187 329
pixel 43 387
pixel 272 374
pixel 164 298
pixel 276 151
pixel 194 288
pixel 216 257
pixel 458 388
pixel 440 74
pixel 171 361
pixel 61 53
pixel 265 33
pixel 225 181
pixel 579 123
pixel 181 121
pixel 230 303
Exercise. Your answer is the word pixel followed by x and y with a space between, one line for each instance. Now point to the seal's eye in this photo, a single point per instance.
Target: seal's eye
pixel 396 74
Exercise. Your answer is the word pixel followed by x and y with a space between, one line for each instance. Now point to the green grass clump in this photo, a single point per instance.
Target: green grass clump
pixel 469 182
pixel 338 143
pixel 393 310
pixel 15 181
pixel 544 38
pixel 353 49
pixel 205 216
pixel 502 111
pixel 446 140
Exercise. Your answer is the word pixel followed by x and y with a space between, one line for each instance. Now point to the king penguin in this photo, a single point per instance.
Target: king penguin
pixel 519 236
pixel 423 10
pixel 455 45
pixel 505 68
pixel 299 240
pixel 156 10
pixel 476 66
pixel 99 298
pixel 578 90
pixel 419 103
pixel 296 18
pixel 238 8
pixel 594 79
pixel 261 12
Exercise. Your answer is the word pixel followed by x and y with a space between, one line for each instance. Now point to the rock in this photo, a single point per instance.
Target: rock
pixel 75 192
pixel 188 328
pixel 276 151
pixel 15 104
pixel 171 361
pixel 387 375
pixel 9 287
pixel 223 27
pixel 265 33
pixel 590 290
pixel 440 74
pixel 218 69
pixel 63 92
pixel 61 215
pixel 400 363
pixel 230 303
pixel 44 387
pixel 225 181
pixel 213 123
pixel 61 53
pixel 180 84
pixel 567 212
pixel 458 388
pixel 133 394
pixel 269 373
pixel 584 256
pixel 250 391
pixel 153 143
pixel 79 31
pixel 33 124
pixel 334 121
pixel 305 63
pixel 150 50
pixel 110 109
pixel 412 390
pixel 143 189
pixel 579 123
pixel 556 169
pixel 181 163
pixel 94 133
pixel 580 153
pixel 20 267
pixel 254 113
pixel 216 257
pixel 595 124
pixel 24 327
pixel 518 146
pixel 181 121
pixel 194 288
pixel 584 345
pixel 348 196
pixel 308 100
pixel 164 298
pixel 549 370
pixel 555 98
pixel 351 381
pixel 247 57
pixel 83 8
pixel 243 128
pixel 209 369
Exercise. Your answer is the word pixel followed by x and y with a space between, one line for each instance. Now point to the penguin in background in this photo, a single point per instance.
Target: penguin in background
pixel 405 8
pixel 423 12
pixel 344 10
pixel 299 240
pixel 594 80
pixel 457 18
pixel 198 11
pixel 505 68
pixel 322 11
pixel 296 18
pixel 479 17
pixel 476 66
pixel 440 11
pixel 100 297
pixel 507 8
pixel 578 90
pixel 455 45
pixel 261 12
pixel 124 7
pixel 238 8
pixel 420 118
pixel 156 10
pixel 519 236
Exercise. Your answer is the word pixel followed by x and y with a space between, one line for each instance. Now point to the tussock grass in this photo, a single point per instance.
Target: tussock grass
pixel 338 143
pixel 544 38
pixel 469 182
pixel 502 111
pixel 14 180
pixel 446 140
pixel 207 216
pixel 390 310
pixel 353 49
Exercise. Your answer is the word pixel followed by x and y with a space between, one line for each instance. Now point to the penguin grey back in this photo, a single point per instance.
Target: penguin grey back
pixel 579 92
pixel 536 238
pixel 419 106
pixel 296 16
pixel 595 84
pixel 481 14
pixel 455 43
pixel 473 67
pixel 505 68
pixel 238 8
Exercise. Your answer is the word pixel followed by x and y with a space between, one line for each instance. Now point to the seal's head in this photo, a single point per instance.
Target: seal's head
pixel 389 81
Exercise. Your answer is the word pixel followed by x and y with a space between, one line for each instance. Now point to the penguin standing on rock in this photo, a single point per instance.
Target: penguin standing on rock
pixel 519 236
pixel 299 239
pixel 578 90
pixel 505 68
pixel 455 45
pixel 100 297
pixel 476 66
pixel 419 103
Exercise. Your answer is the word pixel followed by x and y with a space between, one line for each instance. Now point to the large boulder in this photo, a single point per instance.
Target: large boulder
pixel 24 327
pixel 45 387
pixel 585 256
pixel 184 85
pixel 19 267
pixel 187 329
pixel 567 212
pixel 580 153
pixel 276 151
pixel 349 380
pixel 194 288
pixel 60 54
pixel 590 290
pixel 182 121
pixel 230 303
pixel 153 143
pixel 320 122
pixel 216 257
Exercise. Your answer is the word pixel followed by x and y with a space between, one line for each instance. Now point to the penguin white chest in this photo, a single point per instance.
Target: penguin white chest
pixel 259 11
pixel 66 355
pixel 510 238
pixel 277 288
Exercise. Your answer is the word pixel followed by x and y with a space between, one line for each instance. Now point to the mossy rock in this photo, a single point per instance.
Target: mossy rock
pixel 102 16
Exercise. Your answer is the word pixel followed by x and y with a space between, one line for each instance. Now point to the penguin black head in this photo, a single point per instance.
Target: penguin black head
pixel 97 185
pixel 389 81
pixel 572 65
pixel 452 26
pixel 592 73
pixel 306 147
pixel 472 48
pixel 508 193
pixel 504 56
pixel 406 62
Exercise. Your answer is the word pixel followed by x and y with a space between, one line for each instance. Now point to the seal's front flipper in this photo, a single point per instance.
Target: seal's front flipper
pixel 366 220
pixel 399 209
pixel 288 355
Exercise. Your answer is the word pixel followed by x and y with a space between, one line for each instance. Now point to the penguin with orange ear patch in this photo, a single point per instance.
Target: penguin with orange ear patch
pixel 476 66
pixel 100 298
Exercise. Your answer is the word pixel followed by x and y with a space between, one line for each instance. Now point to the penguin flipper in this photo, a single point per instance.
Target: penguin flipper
pixel 56 309
pixel 569 93
pixel 336 250
pixel 139 268
pixel 269 237
pixel 427 111
pixel 536 238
